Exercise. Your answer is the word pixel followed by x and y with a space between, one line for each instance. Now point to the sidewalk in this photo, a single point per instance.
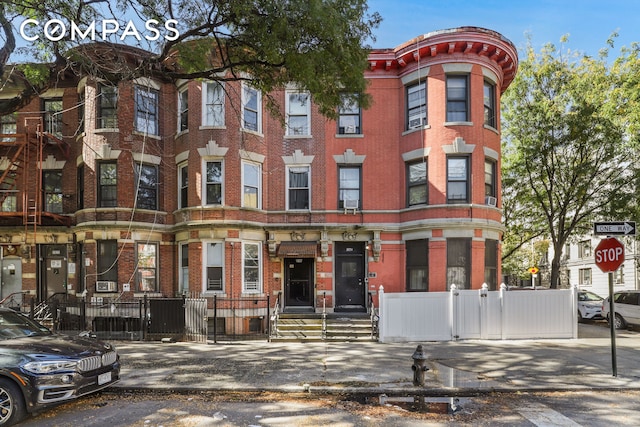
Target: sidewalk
pixel 455 368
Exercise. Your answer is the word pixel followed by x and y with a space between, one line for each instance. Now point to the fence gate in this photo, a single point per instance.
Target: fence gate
pixel 195 313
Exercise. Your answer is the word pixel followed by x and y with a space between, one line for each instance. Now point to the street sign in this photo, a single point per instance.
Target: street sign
pixel 623 228
pixel 609 254
pixel 533 270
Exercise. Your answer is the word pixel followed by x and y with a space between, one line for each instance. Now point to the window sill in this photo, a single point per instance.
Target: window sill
pixel 106 130
pixel 181 133
pixel 349 135
pixel 417 129
pixel 210 127
pixel 458 124
pixel 298 137
pixel 492 129
pixel 147 135
pixel 253 132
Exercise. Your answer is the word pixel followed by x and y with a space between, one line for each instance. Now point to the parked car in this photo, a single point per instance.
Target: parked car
pixel 589 306
pixel 39 369
pixel 627 310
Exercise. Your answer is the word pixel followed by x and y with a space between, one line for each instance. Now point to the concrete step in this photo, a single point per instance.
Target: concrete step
pixel 308 327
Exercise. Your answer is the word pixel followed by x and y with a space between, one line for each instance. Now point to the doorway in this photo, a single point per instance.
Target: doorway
pixel 298 282
pixel 350 277
pixel 53 268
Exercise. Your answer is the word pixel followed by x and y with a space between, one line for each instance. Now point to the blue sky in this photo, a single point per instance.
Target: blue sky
pixel 587 22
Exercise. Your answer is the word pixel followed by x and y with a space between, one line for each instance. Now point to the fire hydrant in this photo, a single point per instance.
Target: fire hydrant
pixel 419 366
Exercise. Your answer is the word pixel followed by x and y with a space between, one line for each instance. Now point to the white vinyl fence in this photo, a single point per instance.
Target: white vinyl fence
pixel 477 314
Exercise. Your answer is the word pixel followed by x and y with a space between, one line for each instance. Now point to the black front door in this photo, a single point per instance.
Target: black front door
pixel 298 282
pixel 350 277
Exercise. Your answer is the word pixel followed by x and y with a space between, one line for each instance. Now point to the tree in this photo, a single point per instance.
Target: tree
pixel 317 44
pixel 566 155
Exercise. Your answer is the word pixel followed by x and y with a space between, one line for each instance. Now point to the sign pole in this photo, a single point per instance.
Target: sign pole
pixel 612 325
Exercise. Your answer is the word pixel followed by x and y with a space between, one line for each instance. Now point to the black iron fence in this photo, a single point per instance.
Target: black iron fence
pixel 234 319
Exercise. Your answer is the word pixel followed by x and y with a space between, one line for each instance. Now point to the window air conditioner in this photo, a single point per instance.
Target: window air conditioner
pixel 415 122
pixel 351 205
pixel 490 200
pixel 349 129
pixel 106 286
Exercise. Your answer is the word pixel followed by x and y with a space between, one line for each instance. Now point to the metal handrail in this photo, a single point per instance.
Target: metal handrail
pixel 274 317
pixel 324 315
pixel 373 312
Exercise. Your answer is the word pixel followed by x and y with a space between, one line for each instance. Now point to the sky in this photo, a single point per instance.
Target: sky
pixel 588 23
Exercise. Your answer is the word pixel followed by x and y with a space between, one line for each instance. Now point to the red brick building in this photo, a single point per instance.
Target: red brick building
pixel 157 188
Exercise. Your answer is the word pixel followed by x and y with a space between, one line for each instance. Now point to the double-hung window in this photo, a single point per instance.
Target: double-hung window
pixel 107 260
pixel 212 104
pixel 213 183
pixel 183 186
pixel 491 264
pixel 215 263
pixel 52 184
pixel 417 265
pixel 298 180
pixel 458 262
pixel 184 268
pixel 489 178
pixel 146 109
pixel 251 185
pixel 349 184
pixel 349 116
pixel 8 126
pixel 107 184
pixel 9 195
pixel 183 110
pixel 298 113
pixel 457 179
pixel 251 274
pixel 251 109
pixel 53 116
pixel 417 187
pixel 489 104
pixel 108 107
pixel 416 105
pixel 147 190
pixel 457 98
pixel 147 267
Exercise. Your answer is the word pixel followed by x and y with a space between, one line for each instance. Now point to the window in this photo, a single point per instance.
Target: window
pixel 8 126
pixel 146 120
pixel 489 104
pixel 184 268
pixel 618 276
pixel 81 112
pixel 298 113
pixel 183 185
pixel 491 264
pixel 349 187
pixel 8 194
pixel 53 117
pixel 251 109
pixel 349 117
pixel 584 276
pixel 107 107
pixel 458 262
pixel 584 249
pixel 52 184
pixel 183 110
pixel 107 185
pixel 416 106
pixel 251 282
pixel 417 265
pixel 457 179
pixel 298 181
pixel 147 186
pixel 215 263
pixel 457 98
pixel 213 183
pixel 213 104
pixel 80 187
pixel 107 260
pixel 147 267
pixel 251 179
pixel 489 178
pixel 417 189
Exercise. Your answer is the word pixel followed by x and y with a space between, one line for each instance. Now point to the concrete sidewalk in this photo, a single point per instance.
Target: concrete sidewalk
pixel 455 368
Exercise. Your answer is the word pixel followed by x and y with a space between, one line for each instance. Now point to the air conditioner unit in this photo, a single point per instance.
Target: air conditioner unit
pixel 415 122
pixel 106 286
pixel 490 200
pixel 351 205
pixel 349 129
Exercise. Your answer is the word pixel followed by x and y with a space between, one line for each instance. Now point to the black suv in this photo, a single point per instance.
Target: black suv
pixel 39 369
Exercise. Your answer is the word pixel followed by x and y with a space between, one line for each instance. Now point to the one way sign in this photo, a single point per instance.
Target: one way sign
pixel 624 228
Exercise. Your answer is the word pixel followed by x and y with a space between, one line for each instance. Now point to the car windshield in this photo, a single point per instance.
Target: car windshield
pixel 16 325
pixel 589 296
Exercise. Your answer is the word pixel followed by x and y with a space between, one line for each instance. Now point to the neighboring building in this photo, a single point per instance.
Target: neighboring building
pixel 158 188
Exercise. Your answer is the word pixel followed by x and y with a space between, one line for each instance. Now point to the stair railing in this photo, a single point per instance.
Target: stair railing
pixel 274 318
pixel 373 312
pixel 324 315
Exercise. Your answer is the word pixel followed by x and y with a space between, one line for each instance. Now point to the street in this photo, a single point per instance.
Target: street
pixel 117 407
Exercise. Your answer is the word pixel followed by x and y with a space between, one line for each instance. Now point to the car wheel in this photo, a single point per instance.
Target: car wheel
pixel 619 322
pixel 12 408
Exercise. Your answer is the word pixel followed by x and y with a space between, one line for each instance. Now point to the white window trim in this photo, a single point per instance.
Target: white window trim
pixel 205 91
pixel 288 129
pixel 259 284
pixel 203 198
pixel 181 91
pixel 205 265
pixel 288 188
pixel 179 180
pixel 259 106
pixel 259 165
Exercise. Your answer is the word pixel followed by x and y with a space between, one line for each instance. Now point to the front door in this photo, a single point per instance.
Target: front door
pixel 350 277
pixel 54 269
pixel 299 284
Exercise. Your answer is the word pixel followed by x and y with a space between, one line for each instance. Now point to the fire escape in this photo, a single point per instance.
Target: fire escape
pixel 21 181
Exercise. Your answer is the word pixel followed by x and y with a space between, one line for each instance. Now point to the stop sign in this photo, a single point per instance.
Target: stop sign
pixel 609 254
